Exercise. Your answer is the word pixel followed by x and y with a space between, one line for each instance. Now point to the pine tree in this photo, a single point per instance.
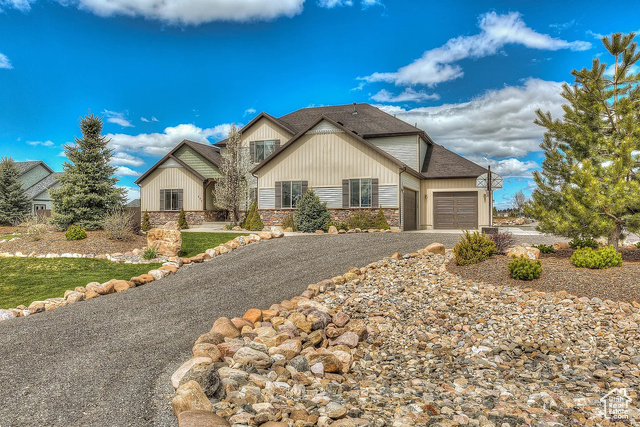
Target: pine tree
pixel 380 222
pixel 146 223
pixel 589 184
pixel 88 186
pixel 14 204
pixel 232 189
pixel 311 213
pixel 182 220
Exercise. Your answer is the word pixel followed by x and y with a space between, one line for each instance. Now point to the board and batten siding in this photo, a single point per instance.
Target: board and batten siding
pixel 430 186
pixel 264 130
pixel 403 148
pixel 198 163
pixel 325 159
pixel 165 178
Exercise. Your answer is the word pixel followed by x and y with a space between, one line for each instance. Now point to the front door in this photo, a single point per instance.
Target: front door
pixel 409 215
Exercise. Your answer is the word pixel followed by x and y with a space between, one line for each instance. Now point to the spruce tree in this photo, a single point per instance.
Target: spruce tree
pixel 182 220
pixel 146 223
pixel 14 204
pixel 589 184
pixel 88 186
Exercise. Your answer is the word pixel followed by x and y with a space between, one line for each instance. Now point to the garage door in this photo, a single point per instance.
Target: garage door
pixel 455 210
pixel 409 215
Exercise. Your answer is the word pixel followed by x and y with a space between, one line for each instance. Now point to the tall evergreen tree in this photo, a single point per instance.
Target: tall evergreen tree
pixel 589 184
pixel 14 203
pixel 88 186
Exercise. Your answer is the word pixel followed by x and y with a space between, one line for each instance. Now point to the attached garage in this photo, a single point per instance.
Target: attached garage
pixel 455 210
pixel 409 215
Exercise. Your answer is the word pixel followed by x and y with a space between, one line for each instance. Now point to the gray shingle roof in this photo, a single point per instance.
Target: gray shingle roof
pixel 43 185
pixel 442 163
pixel 369 120
pixel 209 152
pixel 24 167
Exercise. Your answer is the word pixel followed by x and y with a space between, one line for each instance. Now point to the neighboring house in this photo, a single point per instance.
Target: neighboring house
pixel 37 179
pixel 353 156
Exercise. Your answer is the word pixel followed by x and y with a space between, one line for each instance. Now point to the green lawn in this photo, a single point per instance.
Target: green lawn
pixel 196 243
pixel 24 280
pixel 8 237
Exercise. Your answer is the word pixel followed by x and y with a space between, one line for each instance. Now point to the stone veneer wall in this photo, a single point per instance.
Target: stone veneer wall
pixel 159 218
pixel 274 216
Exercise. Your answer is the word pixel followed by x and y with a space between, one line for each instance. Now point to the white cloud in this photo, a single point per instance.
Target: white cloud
pixel 496 124
pixel 367 3
pixel 125 171
pixel 126 159
pixel 153 119
pixel 117 118
pixel 329 4
pixel 409 95
pixel 42 143
pixel 193 12
pixel 507 168
pixel 144 119
pixel 4 61
pixel 160 143
pixel 22 5
pixel 359 87
pixel 132 192
pixel 249 111
pixel 439 65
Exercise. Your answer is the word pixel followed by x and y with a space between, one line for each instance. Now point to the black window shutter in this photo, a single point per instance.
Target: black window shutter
pixel 180 199
pixel 305 186
pixel 161 200
pixel 345 193
pixel 278 195
pixel 252 151
pixel 374 193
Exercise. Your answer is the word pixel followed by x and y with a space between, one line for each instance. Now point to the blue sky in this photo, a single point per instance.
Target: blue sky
pixel 470 73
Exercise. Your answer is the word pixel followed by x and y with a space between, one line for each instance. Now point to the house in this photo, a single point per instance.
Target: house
pixel 37 179
pixel 353 156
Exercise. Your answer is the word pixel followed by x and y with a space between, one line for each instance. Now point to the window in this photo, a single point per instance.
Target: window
pixel 263 149
pixel 291 193
pixel 360 193
pixel 172 199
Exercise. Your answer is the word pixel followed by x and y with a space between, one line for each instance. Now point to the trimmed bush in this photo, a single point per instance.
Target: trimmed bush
pixel 578 243
pixel 182 220
pixel 503 240
pixel 524 269
pixel 545 249
pixel 150 253
pixel 380 222
pixel 146 223
pixel 596 259
pixel 474 248
pixel 311 214
pixel 117 224
pixel 362 219
pixel 75 232
pixel 288 221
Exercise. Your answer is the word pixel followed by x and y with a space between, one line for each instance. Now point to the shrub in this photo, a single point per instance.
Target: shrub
pixel 311 214
pixel 638 245
pixel 596 259
pixel 75 232
pixel 338 225
pixel 34 227
pixel 146 223
pixel 380 222
pixel 545 249
pixel 578 243
pixel 474 248
pixel 182 220
pixel 362 219
pixel 503 241
pixel 117 224
pixel 150 253
pixel 228 227
pixel 252 219
pixel 288 221
pixel 524 269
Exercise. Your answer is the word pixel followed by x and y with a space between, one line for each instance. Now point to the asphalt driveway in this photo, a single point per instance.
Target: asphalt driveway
pixel 106 361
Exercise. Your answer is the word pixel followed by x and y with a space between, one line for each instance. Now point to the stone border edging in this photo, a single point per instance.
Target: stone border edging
pixel 95 289
pixel 291 336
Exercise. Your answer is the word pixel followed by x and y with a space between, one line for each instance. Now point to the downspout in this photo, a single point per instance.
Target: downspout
pixel 401 195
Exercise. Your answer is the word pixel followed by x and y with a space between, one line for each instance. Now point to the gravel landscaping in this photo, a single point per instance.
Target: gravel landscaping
pixel 404 342
pixel 558 274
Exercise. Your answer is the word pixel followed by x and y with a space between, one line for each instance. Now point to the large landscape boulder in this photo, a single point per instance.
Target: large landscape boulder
pixel 167 240
pixel 189 397
pixel 527 252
